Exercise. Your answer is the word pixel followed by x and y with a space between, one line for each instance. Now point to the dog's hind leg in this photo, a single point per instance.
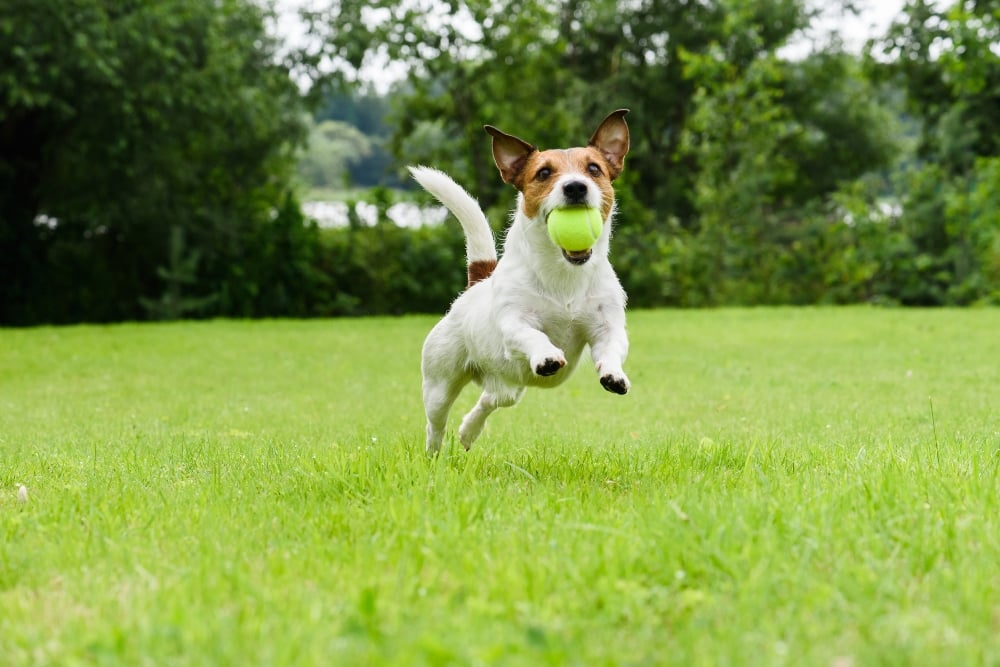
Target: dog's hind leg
pixel 490 400
pixel 439 395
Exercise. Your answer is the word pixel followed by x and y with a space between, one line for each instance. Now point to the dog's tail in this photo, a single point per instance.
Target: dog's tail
pixel 480 248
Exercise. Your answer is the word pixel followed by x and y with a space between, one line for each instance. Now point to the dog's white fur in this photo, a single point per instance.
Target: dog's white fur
pixel 526 324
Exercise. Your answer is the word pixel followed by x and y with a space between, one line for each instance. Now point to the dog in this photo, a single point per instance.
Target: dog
pixel 524 320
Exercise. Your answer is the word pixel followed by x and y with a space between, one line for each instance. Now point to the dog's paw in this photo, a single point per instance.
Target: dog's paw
pixel 549 366
pixel 616 384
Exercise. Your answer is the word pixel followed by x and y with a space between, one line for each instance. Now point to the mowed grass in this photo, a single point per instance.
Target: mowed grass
pixel 781 487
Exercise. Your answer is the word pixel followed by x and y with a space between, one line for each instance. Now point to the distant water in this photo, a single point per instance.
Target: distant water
pixel 332 214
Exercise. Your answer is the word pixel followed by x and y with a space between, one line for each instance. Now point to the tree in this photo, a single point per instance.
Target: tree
pixel 368 111
pixel 774 144
pixel 733 148
pixel 333 147
pixel 120 121
pixel 947 61
pixel 547 71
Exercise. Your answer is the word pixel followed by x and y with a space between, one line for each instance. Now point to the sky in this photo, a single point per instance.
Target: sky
pixel 874 19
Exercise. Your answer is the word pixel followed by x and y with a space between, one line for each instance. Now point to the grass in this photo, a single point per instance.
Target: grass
pixel 782 487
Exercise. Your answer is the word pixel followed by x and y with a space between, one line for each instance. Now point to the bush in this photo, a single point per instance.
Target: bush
pixel 387 269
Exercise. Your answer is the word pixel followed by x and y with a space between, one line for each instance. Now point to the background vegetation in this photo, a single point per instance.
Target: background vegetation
pixel 152 155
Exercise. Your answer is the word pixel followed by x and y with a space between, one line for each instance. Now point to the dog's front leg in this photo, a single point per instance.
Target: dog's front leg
pixel 609 347
pixel 521 337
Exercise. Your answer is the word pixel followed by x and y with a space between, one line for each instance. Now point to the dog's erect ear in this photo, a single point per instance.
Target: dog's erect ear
pixel 510 153
pixel 611 138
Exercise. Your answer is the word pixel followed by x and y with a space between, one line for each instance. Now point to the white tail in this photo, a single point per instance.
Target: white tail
pixel 479 243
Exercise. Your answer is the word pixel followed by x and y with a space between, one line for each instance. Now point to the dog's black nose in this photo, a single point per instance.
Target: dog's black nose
pixel 575 192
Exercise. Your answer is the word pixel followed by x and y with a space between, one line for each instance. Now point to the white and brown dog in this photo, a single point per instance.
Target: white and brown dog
pixel 524 321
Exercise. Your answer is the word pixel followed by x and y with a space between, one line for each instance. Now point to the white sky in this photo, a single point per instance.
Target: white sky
pixel 874 19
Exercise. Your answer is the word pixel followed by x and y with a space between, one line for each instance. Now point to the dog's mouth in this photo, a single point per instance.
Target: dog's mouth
pixel 577 257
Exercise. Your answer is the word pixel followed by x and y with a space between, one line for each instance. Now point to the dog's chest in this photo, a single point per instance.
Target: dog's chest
pixel 565 324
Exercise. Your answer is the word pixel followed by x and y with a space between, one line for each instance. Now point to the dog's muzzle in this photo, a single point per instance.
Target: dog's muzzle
pixel 578 258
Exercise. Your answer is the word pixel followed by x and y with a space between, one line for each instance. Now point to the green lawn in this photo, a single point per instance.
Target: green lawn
pixel 781 487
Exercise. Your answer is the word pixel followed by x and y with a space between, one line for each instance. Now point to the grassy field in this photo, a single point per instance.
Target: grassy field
pixel 781 487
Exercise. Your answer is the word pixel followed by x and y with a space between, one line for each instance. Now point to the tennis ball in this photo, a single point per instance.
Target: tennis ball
pixel 574 228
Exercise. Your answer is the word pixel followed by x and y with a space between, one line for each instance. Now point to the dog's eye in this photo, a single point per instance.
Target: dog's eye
pixel 594 169
pixel 543 174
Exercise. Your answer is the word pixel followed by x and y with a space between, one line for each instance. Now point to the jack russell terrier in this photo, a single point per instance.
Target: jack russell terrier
pixel 524 320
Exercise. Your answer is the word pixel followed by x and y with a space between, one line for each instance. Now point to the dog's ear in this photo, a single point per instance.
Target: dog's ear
pixel 611 139
pixel 510 154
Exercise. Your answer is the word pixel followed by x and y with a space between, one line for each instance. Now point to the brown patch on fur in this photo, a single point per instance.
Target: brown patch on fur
pixel 480 270
pixel 534 172
pixel 536 186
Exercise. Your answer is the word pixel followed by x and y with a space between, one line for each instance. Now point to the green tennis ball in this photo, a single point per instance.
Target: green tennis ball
pixel 575 228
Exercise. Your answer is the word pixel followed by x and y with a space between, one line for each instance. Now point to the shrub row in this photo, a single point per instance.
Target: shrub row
pixel 942 249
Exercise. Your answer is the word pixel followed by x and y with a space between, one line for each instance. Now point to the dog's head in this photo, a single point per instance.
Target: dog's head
pixel 557 178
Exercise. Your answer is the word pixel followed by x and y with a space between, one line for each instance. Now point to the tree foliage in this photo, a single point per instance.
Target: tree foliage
pixel 733 147
pixel 947 60
pixel 147 151
pixel 121 121
pixel 367 111
pixel 333 147
pixel 547 71
pixel 752 178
